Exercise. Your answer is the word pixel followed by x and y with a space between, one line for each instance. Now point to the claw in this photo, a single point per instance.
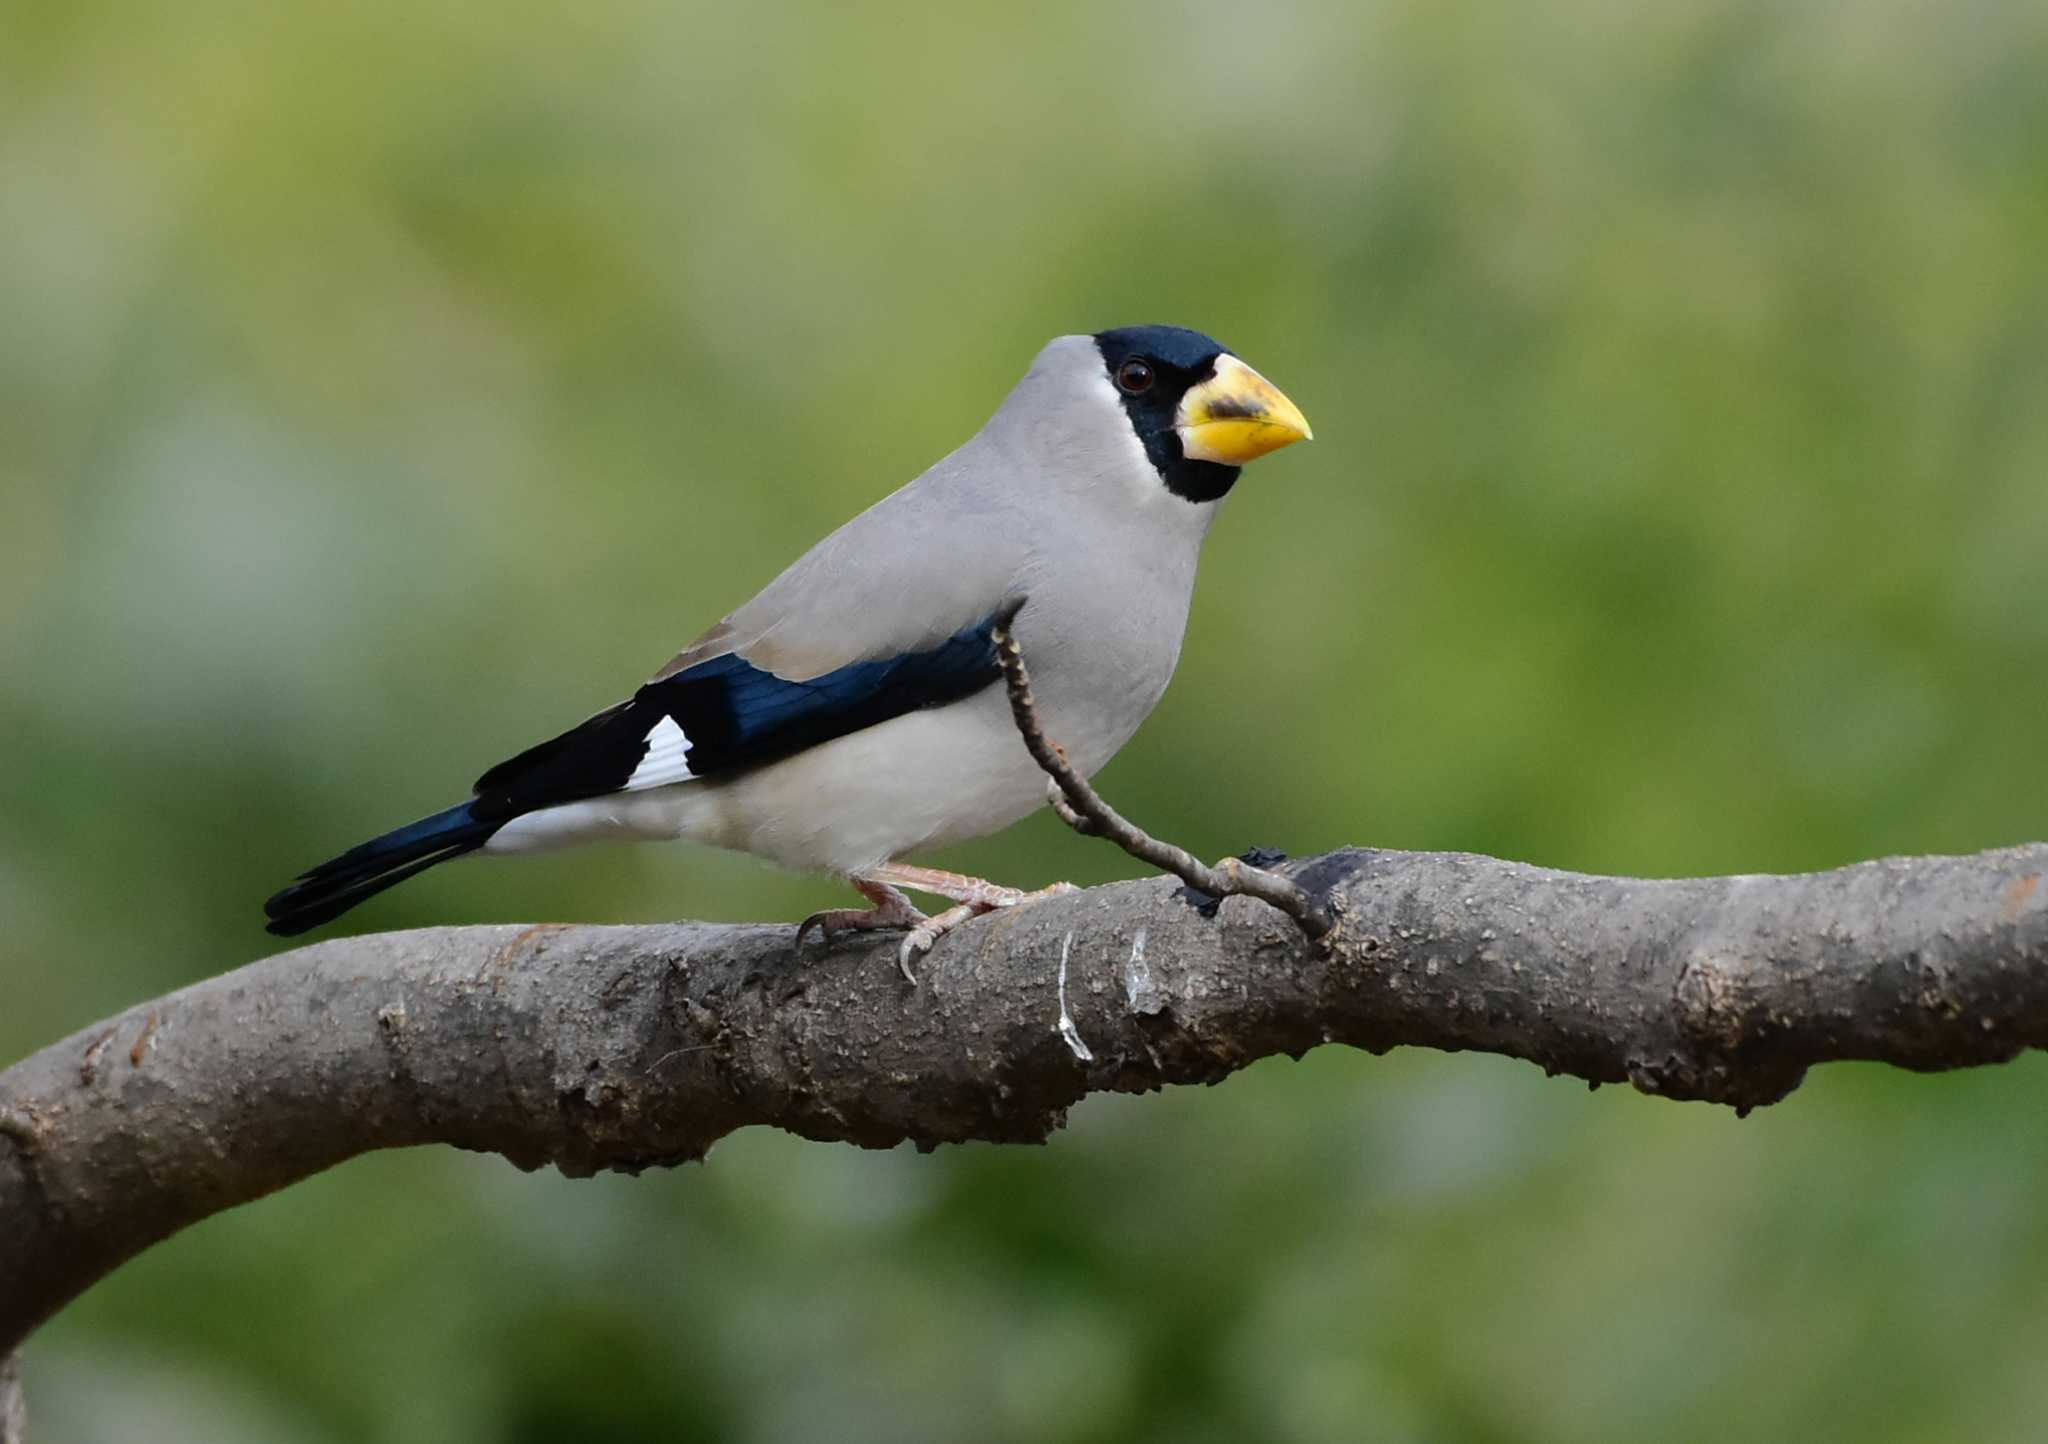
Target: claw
pixel 983 897
pixel 829 923
pixel 891 910
pixel 971 895
pixel 926 934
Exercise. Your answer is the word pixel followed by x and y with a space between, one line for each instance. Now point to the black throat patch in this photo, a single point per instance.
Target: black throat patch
pixel 1179 359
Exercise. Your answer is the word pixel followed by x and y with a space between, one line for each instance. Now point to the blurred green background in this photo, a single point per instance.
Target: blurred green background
pixel 384 388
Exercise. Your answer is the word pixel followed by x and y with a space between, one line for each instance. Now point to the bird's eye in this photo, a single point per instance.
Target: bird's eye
pixel 1134 376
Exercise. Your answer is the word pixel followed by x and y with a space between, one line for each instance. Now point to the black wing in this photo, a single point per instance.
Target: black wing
pixel 733 715
pixel 717 717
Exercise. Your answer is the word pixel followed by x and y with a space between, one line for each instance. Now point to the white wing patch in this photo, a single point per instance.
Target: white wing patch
pixel 666 760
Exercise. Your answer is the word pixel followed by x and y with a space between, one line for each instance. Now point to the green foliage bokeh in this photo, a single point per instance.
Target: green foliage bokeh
pixel 384 388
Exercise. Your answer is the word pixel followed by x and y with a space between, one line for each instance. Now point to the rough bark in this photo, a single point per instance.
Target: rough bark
pixel 626 1047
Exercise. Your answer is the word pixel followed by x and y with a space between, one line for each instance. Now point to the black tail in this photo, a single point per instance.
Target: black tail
pixel 331 889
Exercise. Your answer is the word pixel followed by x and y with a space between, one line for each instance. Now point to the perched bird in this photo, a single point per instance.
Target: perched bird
pixel 851 714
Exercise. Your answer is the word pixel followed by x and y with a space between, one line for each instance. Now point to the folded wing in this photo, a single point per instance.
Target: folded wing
pixel 724 714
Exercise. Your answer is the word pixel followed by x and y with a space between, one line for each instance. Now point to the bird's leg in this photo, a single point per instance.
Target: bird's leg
pixel 891 910
pixel 973 895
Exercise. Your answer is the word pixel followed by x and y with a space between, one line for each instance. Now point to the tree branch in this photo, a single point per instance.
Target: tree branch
pixel 1082 808
pixel 625 1047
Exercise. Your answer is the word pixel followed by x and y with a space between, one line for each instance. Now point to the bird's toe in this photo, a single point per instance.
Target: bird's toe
pixel 833 921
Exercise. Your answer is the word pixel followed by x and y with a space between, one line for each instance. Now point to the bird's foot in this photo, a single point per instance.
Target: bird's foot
pixel 973 896
pixel 891 910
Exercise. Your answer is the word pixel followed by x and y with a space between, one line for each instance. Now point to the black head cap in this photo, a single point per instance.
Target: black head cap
pixel 1151 368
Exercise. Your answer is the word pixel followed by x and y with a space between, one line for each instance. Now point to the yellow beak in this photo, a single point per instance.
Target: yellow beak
pixel 1236 416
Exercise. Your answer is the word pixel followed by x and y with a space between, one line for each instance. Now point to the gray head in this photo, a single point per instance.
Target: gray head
pixel 1173 407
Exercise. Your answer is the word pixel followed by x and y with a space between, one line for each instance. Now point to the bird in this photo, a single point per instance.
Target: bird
pixel 851 715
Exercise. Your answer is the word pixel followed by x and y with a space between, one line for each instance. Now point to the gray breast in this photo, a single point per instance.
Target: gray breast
pixel 1102 634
